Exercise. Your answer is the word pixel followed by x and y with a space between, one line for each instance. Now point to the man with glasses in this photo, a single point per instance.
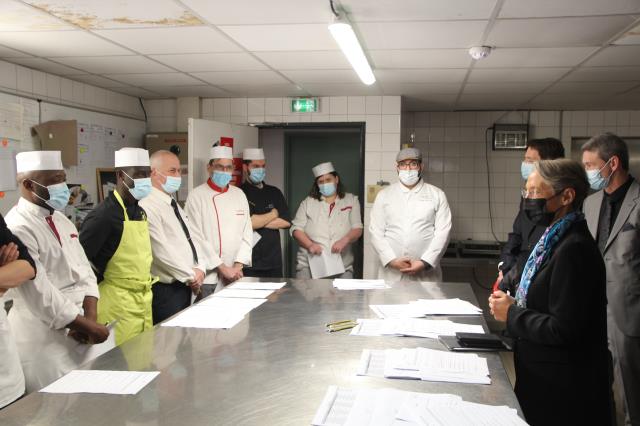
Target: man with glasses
pixel 410 224
pixel 220 213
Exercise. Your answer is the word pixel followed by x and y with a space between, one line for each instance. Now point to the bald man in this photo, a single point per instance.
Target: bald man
pixel 61 301
pixel 178 256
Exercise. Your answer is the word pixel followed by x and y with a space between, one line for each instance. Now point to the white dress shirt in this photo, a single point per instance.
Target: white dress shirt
pixel 172 254
pixel 324 228
pixel 412 222
pixel 223 219
pixel 44 306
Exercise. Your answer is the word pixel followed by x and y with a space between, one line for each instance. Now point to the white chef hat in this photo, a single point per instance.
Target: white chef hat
pixel 29 161
pixel 221 152
pixel 132 157
pixel 253 154
pixel 323 169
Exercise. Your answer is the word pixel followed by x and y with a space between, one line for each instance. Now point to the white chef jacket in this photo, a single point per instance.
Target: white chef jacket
pixel 172 254
pixel 44 306
pixel 11 375
pixel 325 229
pixel 412 222
pixel 223 219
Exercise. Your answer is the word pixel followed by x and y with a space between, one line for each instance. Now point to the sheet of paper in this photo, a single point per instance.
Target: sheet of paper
pixel 256 237
pixel 91 352
pixel 353 284
pixel 413 327
pixel 325 265
pixel 248 285
pixel 211 278
pixel 232 304
pixel 205 317
pixel 98 381
pixel 396 311
pixel 445 307
pixel 244 294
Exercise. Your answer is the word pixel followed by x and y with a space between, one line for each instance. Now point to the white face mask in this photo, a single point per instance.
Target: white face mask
pixel 409 177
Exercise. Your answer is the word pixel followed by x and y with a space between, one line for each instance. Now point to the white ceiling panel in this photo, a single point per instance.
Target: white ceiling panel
pixel 248 12
pixel 195 62
pixel 422 89
pixel 517 75
pixel 556 32
pixel 615 56
pixel 15 16
pixel 282 37
pixel 605 74
pixel 148 80
pixel 421 76
pixel 536 57
pixel 550 8
pixel 341 89
pixel 610 87
pixel 420 58
pixel 316 60
pixel 99 14
pixel 264 90
pixel 45 65
pixel 323 76
pixel 631 37
pixel 136 91
pixel 421 35
pixel 241 77
pixel 504 88
pixel 417 10
pixel 59 43
pixel 97 80
pixel 171 40
pixel 197 90
pixel 130 64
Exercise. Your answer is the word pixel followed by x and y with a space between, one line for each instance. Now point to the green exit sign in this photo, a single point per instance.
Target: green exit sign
pixel 305 105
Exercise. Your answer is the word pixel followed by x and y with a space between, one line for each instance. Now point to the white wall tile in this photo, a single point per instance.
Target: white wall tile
pixel 391 123
pixel 8 75
pixel 222 107
pixel 356 105
pixel 25 80
pixel 391 105
pixel 372 142
pixel 66 90
pixel 39 83
pixel 53 86
pixel 238 107
pixel 372 160
pixel 373 104
pixel 255 106
pixel 273 106
pixel 338 105
pixel 390 142
pixel 374 123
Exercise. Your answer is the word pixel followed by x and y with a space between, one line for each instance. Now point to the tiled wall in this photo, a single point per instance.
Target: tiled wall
pixel 455 149
pixel 380 113
pixel 18 80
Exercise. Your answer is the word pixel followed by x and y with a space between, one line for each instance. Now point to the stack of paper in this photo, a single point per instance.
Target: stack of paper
pixel 326 264
pixel 424 364
pixel 423 307
pixel 215 312
pixel 391 407
pixel 254 285
pixel 98 381
pixel 412 327
pixel 243 294
pixel 348 284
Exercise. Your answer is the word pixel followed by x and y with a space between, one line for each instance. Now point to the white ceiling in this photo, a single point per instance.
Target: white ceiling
pixel 569 54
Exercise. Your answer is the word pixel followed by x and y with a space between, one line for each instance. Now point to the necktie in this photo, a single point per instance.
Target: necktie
pixel 185 229
pixel 604 225
pixel 52 225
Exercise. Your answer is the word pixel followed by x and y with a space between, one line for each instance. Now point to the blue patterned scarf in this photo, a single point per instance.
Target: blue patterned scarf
pixel 542 252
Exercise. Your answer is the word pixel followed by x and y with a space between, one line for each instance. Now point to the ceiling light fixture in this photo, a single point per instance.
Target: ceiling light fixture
pixel 480 52
pixel 343 33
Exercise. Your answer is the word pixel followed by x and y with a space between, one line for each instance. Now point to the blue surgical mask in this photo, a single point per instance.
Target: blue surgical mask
pixel 59 195
pixel 172 184
pixel 141 187
pixel 327 189
pixel 596 180
pixel 257 175
pixel 221 179
pixel 526 169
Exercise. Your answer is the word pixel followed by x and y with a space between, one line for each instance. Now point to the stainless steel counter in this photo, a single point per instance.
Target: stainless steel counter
pixel 273 368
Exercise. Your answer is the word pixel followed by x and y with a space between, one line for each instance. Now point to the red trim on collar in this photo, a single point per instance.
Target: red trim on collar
pixel 216 187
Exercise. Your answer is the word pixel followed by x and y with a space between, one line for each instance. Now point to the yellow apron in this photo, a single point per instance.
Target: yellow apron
pixel 125 291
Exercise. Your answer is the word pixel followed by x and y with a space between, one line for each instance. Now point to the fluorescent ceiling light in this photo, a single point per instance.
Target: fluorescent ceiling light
pixel 342 32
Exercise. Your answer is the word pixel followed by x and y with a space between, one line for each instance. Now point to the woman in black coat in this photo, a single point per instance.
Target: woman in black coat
pixel 558 315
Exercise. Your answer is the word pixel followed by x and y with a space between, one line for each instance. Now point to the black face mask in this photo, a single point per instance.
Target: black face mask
pixel 536 210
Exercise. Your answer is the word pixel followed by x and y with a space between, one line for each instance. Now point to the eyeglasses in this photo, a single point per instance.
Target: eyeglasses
pixel 413 165
pixel 221 168
pixel 534 193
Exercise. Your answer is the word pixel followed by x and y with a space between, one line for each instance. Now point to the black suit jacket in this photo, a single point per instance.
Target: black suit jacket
pixel 561 353
pixel 521 240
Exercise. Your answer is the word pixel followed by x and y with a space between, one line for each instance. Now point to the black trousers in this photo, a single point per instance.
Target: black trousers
pixel 264 273
pixel 169 299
